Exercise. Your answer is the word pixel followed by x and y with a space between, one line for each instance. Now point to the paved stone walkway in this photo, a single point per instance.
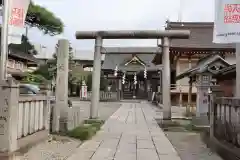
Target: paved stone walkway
pixel 131 133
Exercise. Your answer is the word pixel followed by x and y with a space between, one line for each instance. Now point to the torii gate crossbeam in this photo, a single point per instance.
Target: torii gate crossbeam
pixel 165 35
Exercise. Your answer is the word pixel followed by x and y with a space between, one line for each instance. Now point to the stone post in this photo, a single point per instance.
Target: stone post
pixel 166 78
pixel 148 89
pixel 120 88
pixel 8 115
pixel 60 111
pixel 96 78
pixel 203 84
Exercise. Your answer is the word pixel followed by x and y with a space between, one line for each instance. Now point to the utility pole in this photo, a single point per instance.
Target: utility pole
pixel 26 34
pixel 4 39
pixel 180 11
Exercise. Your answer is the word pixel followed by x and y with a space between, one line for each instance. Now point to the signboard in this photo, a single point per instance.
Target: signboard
pixel 17 15
pixel 227 21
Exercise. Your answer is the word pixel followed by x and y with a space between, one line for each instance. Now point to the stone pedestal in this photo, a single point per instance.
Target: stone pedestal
pixel 8 115
pixel 60 111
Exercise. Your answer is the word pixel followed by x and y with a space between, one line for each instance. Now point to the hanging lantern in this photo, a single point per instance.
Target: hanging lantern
pixel 145 73
pixel 115 71
pixel 135 78
pixel 123 78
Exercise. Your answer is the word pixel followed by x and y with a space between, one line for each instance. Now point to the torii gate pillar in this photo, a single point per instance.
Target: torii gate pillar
pixel 166 80
pixel 96 75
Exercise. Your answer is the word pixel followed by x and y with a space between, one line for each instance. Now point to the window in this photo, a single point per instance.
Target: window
pixel 17 65
pixel 205 78
pixel 10 63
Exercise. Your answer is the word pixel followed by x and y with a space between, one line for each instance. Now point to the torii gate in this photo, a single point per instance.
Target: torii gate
pixel 164 35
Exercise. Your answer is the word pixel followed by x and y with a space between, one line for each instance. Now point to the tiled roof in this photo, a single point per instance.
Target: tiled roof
pixel 202 66
pixel 21 55
pixel 201 35
pixel 113 60
pixel 226 70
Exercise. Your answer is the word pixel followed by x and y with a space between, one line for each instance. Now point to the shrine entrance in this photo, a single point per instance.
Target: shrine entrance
pixel 130 90
pixel 131 72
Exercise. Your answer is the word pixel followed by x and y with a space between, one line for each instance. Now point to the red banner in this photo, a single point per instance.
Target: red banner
pixel 18 12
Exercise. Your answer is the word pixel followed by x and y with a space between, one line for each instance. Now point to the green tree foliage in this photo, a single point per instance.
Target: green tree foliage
pixel 49 70
pixel 103 82
pixel 44 20
pixel 43 70
pixel 35 78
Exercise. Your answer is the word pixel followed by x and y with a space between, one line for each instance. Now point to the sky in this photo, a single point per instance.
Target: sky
pixel 80 15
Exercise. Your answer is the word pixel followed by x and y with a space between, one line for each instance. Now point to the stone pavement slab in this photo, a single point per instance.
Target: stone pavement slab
pixel 131 133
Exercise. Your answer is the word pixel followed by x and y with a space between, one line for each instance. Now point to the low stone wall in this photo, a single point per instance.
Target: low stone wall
pixel 74 118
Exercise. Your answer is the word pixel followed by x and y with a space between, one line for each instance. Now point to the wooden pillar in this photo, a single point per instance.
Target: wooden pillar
pixel 189 62
pixel 180 96
pixel 189 96
pixel 189 105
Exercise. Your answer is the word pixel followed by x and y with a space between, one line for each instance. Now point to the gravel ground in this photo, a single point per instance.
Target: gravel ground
pixel 190 147
pixel 58 149
pixel 62 147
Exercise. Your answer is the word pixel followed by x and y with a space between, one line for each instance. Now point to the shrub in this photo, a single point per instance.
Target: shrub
pixel 82 132
pixel 87 130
